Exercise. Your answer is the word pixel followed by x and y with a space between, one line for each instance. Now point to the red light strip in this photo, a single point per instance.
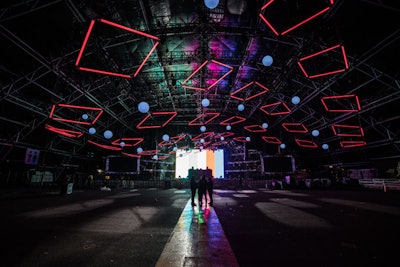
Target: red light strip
pixel 287 126
pixel 129 29
pixel 127 140
pixel 272 140
pixel 240 139
pixel 228 121
pixel 212 114
pixel 288 110
pixel 105 72
pixel 348 144
pixel 114 148
pixel 191 75
pixel 172 113
pixel 323 99
pixel 202 135
pixel 220 143
pixel 67 133
pixel 306 143
pixel 130 155
pixel 252 96
pixel 84 43
pixel 145 60
pixel 149 152
pixel 255 128
pixel 224 134
pixel 306 20
pixel 337 126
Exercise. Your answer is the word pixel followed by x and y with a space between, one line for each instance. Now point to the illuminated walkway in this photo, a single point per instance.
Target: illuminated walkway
pixel 197 240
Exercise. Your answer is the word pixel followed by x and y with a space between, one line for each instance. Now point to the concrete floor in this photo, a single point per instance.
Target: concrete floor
pixel 158 227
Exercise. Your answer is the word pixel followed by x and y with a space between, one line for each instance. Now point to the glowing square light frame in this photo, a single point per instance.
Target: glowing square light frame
pixel 241 139
pixel 183 84
pixel 350 144
pixel 219 143
pixel 272 140
pixel 129 141
pixel 346 64
pixel 325 99
pixel 294 127
pixel 276 105
pixel 264 90
pixel 232 120
pixel 336 127
pixel 85 41
pixel 269 3
pixel 159 113
pixel 202 136
pixel 114 148
pixel 306 143
pixel 172 140
pixel 65 132
pixel 224 134
pixel 83 108
pixel 255 128
pixel 197 121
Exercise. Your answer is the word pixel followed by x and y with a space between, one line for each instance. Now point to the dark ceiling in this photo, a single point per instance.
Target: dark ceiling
pixel 342 64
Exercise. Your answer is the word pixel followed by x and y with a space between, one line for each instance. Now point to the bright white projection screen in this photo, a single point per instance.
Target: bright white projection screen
pixel 199 159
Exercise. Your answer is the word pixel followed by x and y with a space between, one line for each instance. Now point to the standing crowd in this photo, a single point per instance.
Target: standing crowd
pixel 204 189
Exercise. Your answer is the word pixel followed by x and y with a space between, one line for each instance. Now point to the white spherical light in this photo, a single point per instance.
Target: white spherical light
pixel 139 150
pixel 283 146
pixel 222 138
pixel 202 140
pixel 92 130
pixel 295 100
pixel 85 116
pixel 315 132
pixel 325 146
pixel 240 107
pixel 122 143
pixel 205 102
pixel 265 125
pixel 165 137
pixel 228 127
pixel 155 157
pixel 203 128
pixel 248 139
pixel 108 134
pixel 175 148
pixel 211 4
pixel 267 61
pixel 143 107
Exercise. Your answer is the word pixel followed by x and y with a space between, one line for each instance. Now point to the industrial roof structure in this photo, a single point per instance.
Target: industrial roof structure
pixel 315 79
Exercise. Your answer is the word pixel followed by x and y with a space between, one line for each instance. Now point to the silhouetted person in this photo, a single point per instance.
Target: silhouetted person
pixel 210 189
pixel 193 188
pixel 202 190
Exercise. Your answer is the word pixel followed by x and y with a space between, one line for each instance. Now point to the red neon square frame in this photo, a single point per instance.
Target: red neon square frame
pixel 255 128
pixel 276 105
pixel 65 132
pixel 264 90
pixel 294 26
pixel 224 134
pixel 129 141
pixel 114 148
pixel 202 66
pixel 294 127
pixel 202 145
pixel 172 140
pixel 306 143
pixel 141 126
pixel 349 144
pixel 213 115
pixel 231 120
pixel 241 139
pixel 220 143
pixel 120 27
pixel 271 140
pixel 202 135
pixel 83 108
pixel 336 127
pixel 130 155
pixel 346 64
pixel 325 99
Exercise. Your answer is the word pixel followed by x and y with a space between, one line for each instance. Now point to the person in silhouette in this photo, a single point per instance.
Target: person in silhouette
pixel 193 188
pixel 202 191
pixel 210 189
